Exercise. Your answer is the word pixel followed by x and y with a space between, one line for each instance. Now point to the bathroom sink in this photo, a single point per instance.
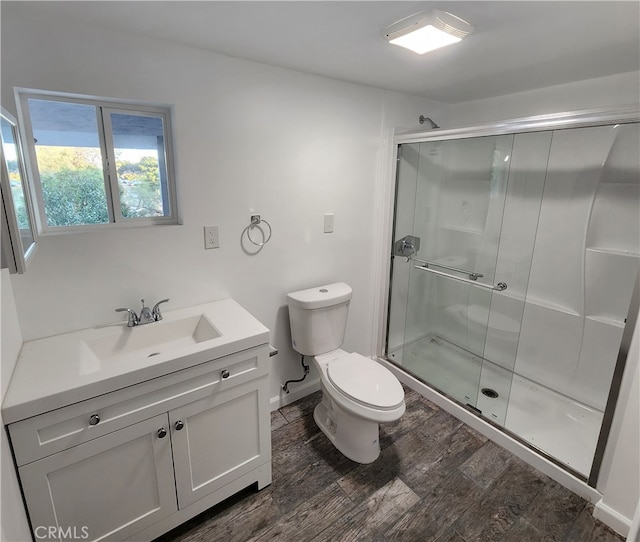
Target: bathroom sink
pixel 153 339
pixel 59 370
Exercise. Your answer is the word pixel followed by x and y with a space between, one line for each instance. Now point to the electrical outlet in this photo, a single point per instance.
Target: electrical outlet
pixel 211 238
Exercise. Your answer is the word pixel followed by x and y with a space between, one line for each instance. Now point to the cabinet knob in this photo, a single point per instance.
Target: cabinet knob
pixel 179 425
pixel 162 432
pixel 225 374
pixel 94 419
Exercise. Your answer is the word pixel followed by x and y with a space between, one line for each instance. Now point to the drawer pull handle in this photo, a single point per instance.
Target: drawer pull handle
pixel 162 432
pixel 94 419
pixel 225 374
pixel 179 425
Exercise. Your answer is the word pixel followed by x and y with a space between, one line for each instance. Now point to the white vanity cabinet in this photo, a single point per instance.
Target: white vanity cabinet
pixel 134 463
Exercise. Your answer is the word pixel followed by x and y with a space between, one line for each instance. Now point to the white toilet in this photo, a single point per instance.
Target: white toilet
pixel 357 392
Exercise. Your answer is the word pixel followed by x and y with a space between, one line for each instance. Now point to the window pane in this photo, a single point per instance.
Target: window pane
pixel 11 156
pixel 138 142
pixel 70 162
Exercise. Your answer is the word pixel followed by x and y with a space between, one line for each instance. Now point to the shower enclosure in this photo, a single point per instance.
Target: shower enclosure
pixel 516 253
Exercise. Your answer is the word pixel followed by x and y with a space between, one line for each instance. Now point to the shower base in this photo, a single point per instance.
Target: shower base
pixel 549 421
pixel 443 365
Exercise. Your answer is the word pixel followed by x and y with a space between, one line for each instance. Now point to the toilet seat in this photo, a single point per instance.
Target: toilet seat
pixel 365 382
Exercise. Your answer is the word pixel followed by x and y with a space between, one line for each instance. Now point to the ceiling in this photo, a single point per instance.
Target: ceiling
pixel 515 45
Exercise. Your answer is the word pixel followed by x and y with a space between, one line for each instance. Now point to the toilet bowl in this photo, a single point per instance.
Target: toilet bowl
pixel 357 392
pixel 357 395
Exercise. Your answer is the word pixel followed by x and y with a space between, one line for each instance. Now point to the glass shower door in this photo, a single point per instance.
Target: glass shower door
pixel 450 204
pixel 515 258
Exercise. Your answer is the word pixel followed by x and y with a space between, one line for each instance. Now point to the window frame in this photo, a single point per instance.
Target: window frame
pixel 103 107
pixel 15 255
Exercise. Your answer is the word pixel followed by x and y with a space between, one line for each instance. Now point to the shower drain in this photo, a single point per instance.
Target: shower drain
pixel 492 394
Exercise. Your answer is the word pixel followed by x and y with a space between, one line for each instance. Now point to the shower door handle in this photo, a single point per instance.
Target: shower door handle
pixel 501 286
pixel 472 274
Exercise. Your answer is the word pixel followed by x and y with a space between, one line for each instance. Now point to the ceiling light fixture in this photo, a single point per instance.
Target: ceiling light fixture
pixel 424 32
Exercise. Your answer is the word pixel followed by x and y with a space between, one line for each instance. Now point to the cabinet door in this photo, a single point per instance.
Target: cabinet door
pixel 219 438
pixel 105 489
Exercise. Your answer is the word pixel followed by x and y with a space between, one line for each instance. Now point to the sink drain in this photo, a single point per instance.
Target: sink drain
pixel 153 354
pixel 492 394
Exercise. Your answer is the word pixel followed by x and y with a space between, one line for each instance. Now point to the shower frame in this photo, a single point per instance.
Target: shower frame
pixel 584 486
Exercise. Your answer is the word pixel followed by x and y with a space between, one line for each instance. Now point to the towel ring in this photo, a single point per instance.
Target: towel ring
pixel 255 222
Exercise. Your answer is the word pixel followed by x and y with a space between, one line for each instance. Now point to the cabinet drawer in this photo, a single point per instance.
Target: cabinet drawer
pixel 54 431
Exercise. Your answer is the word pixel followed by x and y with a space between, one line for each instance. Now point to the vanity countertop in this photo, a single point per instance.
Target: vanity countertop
pixel 57 371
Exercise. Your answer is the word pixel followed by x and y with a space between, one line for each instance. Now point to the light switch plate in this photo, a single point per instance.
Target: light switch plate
pixel 328 222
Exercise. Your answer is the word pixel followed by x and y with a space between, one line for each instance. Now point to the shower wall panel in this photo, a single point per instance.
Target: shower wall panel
pixel 519 225
pixel 423 292
pixel 466 202
pixel 585 263
pixel 573 174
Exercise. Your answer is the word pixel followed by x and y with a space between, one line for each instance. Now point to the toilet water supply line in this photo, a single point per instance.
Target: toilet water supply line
pixel 285 388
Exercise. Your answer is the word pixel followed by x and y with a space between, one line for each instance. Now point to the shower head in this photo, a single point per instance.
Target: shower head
pixel 424 119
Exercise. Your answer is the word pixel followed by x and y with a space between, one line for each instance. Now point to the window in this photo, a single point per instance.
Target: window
pixel 96 163
pixel 18 235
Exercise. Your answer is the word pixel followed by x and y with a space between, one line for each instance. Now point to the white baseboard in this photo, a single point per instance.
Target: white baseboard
pixel 300 390
pixel 619 523
pixel 634 529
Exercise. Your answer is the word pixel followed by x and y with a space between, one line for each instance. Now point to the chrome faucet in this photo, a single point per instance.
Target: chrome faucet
pixel 133 317
pixel 147 315
pixel 155 312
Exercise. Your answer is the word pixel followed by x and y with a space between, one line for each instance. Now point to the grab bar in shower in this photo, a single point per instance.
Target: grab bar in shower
pixel 470 274
pixel 499 287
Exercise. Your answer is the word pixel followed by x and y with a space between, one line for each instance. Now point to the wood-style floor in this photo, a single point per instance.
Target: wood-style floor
pixel 435 480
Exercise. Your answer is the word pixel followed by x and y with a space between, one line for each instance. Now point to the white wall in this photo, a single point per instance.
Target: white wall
pixel 249 138
pixel 13 524
pixel 622 89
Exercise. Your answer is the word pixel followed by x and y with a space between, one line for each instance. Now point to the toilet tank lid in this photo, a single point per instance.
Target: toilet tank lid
pixel 320 296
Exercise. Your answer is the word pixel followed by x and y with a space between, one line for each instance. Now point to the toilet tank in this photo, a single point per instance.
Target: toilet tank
pixel 318 318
